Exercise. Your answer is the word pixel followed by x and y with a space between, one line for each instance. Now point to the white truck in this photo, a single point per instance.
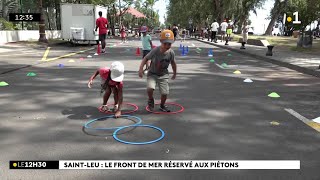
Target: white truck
pixel 78 22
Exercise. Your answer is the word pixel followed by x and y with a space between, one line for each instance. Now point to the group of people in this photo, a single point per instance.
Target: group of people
pixel 176 32
pixel 225 28
pixel 155 59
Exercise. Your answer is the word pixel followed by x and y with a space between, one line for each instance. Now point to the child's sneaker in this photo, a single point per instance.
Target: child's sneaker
pixel 104 108
pixel 151 104
pixel 164 108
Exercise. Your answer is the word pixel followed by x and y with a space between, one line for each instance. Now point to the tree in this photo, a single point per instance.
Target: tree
pixel 202 12
pixel 308 10
pixel 276 11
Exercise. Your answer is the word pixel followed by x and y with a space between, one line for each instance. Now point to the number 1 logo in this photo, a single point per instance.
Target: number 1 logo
pixel 289 19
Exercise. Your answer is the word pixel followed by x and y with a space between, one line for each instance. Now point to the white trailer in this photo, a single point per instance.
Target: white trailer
pixel 78 22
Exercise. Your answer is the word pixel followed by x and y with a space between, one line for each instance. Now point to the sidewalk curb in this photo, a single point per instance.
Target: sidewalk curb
pixel 267 59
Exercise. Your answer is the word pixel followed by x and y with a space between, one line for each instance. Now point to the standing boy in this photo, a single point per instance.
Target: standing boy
pixel 161 57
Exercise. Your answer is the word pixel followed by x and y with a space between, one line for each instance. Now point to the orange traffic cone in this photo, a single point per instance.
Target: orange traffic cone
pixel 138 52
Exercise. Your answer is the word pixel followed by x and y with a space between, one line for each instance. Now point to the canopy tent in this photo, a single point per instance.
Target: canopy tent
pixel 133 12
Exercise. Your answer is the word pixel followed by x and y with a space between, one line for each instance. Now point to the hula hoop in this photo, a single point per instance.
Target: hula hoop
pixel 86 125
pixel 160 112
pixel 128 112
pixel 139 143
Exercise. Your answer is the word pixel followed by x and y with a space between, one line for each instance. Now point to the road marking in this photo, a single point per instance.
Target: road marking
pixel 66 55
pixel 220 66
pixel 44 57
pixel 313 125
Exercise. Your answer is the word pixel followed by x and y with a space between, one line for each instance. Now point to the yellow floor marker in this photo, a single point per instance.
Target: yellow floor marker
pixel 274 123
pixel 237 72
pixel 44 57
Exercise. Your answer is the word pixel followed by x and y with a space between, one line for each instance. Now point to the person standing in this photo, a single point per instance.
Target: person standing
pixel 175 31
pixel 229 32
pixel 245 30
pixel 102 24
pixel 204 32
pixel 123 33
pixel 224 26
pixel 214 30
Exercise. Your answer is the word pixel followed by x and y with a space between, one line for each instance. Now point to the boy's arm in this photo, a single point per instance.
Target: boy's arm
pixel 143 62
pixel 92 78
pixel 96 25
pixel 174 69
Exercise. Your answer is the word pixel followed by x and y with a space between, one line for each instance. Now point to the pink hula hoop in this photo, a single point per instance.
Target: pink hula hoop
pixel 160 112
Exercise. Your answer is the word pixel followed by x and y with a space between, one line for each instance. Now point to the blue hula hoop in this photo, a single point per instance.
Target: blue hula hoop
pixel 86 125
pixel 138 143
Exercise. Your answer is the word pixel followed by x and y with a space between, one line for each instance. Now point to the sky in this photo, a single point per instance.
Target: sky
pixel 161 5
pixel 258 22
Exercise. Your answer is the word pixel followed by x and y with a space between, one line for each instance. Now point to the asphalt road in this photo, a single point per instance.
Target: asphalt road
pixel 224 118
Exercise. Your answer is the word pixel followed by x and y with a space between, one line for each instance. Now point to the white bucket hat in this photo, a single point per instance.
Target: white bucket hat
pixel 117 71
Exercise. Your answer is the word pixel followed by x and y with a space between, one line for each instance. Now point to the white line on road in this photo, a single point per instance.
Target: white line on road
pixel 314 125
pixel 297 115
pixel 220 66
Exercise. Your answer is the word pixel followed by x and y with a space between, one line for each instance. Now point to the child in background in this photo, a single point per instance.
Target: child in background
pixel 123 33
pixel 111 81
pixel 229 32
pixel 146 44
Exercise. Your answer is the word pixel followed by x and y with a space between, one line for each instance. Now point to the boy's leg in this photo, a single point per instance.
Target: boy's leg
pixel 164 90
pixel 151 85
pixel 103 41
pixel 106 96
